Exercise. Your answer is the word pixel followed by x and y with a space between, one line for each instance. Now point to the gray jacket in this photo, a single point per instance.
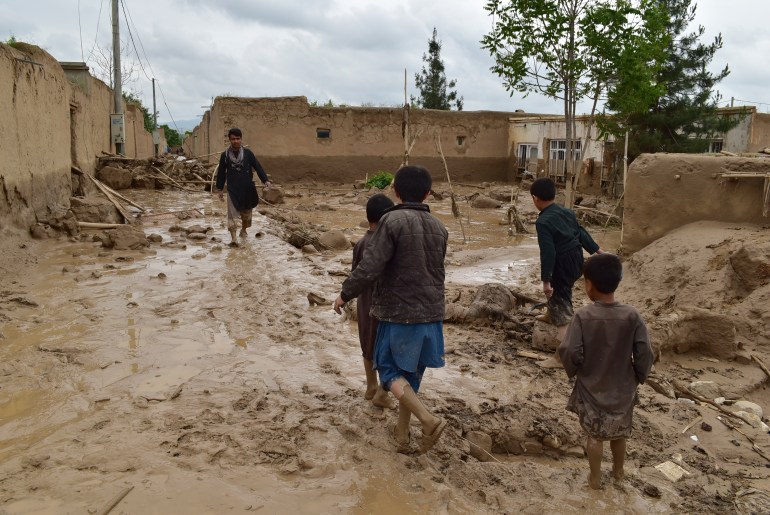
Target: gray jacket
pixel 405 257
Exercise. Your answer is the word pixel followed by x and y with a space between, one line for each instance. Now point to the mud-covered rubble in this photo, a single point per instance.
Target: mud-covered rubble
pixel 155 173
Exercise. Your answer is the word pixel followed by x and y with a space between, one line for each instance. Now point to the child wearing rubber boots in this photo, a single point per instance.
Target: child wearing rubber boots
pixel 367 324
pixel 608 351
pixel 561 240
pixel 405 261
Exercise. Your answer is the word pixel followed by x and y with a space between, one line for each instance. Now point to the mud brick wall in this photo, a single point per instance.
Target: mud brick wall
pixel 666 191
pixel 284 133
pixel 34 136
pixel 52 120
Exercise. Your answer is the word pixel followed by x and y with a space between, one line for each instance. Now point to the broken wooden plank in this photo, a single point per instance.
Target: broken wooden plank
pixel 120 207
pixel 689 426
pixel 121 197
pixel 531 355
pixel 98 225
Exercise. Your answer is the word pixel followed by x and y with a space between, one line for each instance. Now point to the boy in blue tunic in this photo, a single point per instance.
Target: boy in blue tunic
pixel 405 261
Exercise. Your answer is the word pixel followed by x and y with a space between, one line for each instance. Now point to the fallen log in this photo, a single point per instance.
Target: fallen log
pixel 686 392
pixel 761 364
pixel 116 500
pixel 98 225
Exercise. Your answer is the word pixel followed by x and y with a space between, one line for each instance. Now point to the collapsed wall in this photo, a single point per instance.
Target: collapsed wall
pixel 666 191
pixel 295 140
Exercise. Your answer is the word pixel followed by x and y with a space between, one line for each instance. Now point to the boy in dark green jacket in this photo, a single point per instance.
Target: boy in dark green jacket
pixel 561 240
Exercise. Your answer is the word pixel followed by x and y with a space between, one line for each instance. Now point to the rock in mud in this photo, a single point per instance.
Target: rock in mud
pixel 707 389
pixel 94 209
pixel 125 237
pixel 200 254
pixel 196 229
pixel 751 264
pixel 335 240
pixel 484 202
pixel 274 195
pixel 544 337
pixel 750 407
pixel 114 177
pixel 481 445
pixel 155 238
pixel 196 236
pixel 309 249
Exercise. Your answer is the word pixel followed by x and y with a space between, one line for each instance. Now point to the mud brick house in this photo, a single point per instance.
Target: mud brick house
pixel 295 140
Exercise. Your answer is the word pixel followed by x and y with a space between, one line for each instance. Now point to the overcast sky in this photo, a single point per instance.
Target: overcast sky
pixel 349 51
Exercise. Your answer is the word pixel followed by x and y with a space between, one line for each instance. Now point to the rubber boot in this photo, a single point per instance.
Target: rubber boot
pixel 432 426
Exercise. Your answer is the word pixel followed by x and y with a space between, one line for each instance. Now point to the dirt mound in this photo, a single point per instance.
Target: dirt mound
pixel 703 286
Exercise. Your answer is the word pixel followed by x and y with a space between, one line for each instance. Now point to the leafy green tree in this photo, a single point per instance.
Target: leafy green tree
pixel 173 137
pixel 683 116
pixel 573 50
pixel 435 91
pixel 131 98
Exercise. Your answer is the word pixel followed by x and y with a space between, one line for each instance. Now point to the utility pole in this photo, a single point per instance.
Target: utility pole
pixel 155 134
pixel 117 137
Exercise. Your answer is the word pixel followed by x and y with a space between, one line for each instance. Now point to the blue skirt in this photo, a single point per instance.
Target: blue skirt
pixel 406 350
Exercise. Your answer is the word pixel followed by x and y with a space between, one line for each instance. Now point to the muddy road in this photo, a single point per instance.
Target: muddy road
pixel 200 379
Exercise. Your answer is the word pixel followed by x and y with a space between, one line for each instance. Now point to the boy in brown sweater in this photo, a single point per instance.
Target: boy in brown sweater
pixel 608 351
pixel 367 324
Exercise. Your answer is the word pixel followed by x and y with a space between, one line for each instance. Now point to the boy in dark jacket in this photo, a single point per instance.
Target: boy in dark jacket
pixel 608 351
pixel 561 240
pixel 406 259
pixel 367 324
pixel 235 165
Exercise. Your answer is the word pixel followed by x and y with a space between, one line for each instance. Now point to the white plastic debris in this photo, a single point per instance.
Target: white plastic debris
pixel 672 471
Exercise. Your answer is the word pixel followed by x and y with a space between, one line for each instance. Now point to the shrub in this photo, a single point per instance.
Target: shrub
pixel 380 180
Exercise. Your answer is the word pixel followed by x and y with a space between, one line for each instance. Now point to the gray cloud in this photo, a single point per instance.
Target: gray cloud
pixel 345 50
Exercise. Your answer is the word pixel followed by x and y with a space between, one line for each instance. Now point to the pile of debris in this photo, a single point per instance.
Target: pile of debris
pixel 156 172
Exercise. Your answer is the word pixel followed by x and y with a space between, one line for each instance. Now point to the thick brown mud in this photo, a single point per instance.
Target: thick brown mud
pixel 201 377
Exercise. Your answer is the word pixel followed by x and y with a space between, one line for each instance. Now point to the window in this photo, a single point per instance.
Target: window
pixel 460 141
pixel 323 133
pixel 558 157
pixel 715 147
pixel 559 150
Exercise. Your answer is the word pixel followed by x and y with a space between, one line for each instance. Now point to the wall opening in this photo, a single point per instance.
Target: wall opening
pixel 323 133
pixel 460 141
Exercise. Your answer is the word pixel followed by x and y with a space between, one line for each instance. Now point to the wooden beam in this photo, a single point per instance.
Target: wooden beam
pixel 121 209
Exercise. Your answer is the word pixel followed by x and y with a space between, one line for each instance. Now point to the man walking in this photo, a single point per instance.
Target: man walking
pixel 235 165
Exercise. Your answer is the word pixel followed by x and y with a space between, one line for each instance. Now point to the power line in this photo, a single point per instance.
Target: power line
pixel 80 30
pixel 96 36
pixel 130 20
pixel 131 35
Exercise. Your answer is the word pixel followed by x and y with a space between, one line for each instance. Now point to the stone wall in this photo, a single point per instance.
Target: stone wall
pixel 294 140
pixel 666 191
